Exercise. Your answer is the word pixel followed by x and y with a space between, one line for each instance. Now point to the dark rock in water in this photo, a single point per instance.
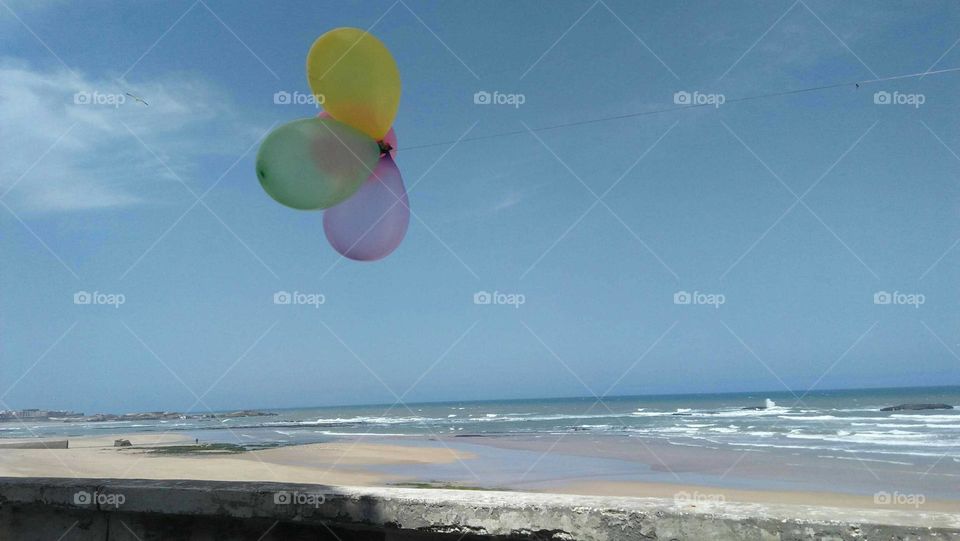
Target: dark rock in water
pixel 163 416
pixel 682 414
pixel 754 408
pixel 918 407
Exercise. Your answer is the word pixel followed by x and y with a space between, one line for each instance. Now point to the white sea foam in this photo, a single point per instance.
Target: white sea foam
pixel 364 421
pixel 681 429
pixel 857 451
pixel 333 433
pixel 880 438
pixel 932 418
pixel 777 410
pixel 809 417
pixel 557 417
pixel 650 413
pixel 886 425
pixel 681 444
pixel 861 459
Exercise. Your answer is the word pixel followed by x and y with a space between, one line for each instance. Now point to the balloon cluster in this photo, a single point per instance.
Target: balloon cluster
pixel 342 160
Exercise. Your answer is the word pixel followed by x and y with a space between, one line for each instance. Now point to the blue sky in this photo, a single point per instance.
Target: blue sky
pixel 103 198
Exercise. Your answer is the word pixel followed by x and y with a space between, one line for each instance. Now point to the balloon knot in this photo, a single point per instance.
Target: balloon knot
pixel 385 147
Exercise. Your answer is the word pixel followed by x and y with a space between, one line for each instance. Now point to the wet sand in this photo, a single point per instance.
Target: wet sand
pixel 636 461
pixel 572 465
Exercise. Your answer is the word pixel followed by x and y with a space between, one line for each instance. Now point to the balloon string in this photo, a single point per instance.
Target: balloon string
pixel 679 108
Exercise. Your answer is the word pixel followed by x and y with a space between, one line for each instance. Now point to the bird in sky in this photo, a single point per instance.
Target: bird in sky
pixel 138 98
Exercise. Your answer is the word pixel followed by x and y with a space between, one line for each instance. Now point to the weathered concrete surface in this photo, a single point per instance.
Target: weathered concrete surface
pixel 32 508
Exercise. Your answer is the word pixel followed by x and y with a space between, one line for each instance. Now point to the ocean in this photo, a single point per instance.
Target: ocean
pixel 840 424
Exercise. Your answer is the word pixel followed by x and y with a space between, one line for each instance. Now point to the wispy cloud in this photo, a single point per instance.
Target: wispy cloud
pixel 66 144
pixel 510 199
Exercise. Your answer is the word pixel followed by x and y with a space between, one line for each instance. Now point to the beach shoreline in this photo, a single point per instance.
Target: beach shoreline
pixel 429 462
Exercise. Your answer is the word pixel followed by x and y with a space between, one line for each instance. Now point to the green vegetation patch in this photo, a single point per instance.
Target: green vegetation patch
pixel 202 449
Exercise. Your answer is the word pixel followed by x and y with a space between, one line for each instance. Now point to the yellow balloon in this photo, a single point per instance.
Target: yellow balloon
pixel 356 79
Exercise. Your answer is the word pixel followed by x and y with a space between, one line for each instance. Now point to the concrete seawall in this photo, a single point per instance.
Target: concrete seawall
pixel 73 509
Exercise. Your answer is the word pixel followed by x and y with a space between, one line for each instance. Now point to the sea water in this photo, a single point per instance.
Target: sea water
pixel 843 423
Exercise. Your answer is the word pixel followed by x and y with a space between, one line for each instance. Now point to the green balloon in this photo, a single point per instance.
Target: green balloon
pixel 315 163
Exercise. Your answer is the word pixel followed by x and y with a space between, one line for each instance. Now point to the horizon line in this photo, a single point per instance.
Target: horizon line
pixel 531 399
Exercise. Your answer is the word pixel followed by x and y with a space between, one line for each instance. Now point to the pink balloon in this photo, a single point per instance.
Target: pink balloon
pixel 390 138
pixel 372 223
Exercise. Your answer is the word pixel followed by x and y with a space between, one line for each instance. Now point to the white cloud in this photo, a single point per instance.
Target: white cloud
pixel 80 156
pixel 512 198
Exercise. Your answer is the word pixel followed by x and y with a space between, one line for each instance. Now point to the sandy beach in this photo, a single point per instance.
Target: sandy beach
pixel 417 462
pixel 339 463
